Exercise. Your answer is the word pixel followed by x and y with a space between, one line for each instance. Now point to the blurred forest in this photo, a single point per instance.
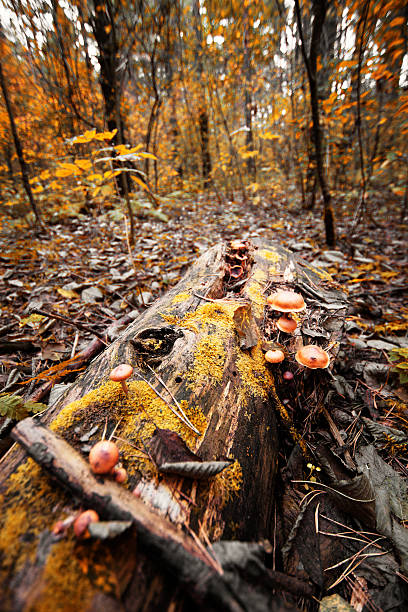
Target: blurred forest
pixel 124 104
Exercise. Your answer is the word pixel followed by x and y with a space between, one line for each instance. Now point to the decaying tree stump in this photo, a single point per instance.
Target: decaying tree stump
pixel 199 349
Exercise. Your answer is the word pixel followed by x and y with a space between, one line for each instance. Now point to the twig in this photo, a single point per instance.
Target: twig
pixel 161 381
pixel 320 484
pixel 75 344
pixel 338 438
pixel 186 422
pixel 52 315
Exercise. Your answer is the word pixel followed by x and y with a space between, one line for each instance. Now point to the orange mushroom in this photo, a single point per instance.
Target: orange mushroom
pixel 286 301
pixel 312 356
pixel 120 374
pixel 274 356
pixel 82 522
pixel 103 457
pixel 286 324
pixel 119 474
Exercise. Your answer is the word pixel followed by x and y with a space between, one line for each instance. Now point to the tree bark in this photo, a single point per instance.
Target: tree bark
pixel 203 123
pixel 19 150
pixel 319 11
pixel 200 347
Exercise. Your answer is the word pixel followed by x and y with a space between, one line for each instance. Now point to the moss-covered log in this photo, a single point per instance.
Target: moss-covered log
pixel 199 349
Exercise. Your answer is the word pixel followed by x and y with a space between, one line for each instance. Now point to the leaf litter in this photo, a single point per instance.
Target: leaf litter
pixel 84 272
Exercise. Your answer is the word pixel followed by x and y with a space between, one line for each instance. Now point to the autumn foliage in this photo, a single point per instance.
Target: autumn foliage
pixel 122 102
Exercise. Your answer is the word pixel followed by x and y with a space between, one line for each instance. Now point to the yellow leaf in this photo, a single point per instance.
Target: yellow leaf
pixel 84 164
pixel 85 137
pixel 96 191
pixel 34 320
pixel 249 154
pixel 105 135
pixel 396 22
pixel 147 155
pixel 361 280
pixel 121 149
pixel 383 120
pixel 270 136
pixel 55 185
pixel 137 180
pixel 95 177
pixel 110 174
pixel 67 293
pixel 38 189
pixel 45 174
pixel 62 172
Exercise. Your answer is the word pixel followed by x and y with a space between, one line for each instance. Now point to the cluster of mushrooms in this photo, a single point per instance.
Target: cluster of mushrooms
pixel 311 356
pixel 104 456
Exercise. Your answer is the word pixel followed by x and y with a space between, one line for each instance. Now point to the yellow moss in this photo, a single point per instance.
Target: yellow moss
pixel 209 360
pixel 256 296
pixel 219 313
pixel 181 297
pixel 229 482
pixel 109 394
pixel 14 525
pixel 269 255
pixel 65 585
pixel 26 508
pixel 256 378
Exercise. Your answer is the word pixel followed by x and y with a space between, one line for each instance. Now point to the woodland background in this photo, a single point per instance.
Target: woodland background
pixel 127 103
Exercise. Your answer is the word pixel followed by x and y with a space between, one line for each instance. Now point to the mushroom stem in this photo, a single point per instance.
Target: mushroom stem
pixel 125 388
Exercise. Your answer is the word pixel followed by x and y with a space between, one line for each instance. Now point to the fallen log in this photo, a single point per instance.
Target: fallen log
pixel 199 372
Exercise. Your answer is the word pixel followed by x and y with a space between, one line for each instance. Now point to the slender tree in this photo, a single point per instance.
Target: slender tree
pixel 19 149
pixel 319 8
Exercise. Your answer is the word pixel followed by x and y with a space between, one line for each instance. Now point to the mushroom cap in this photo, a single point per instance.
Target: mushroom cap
pixel 119 474
pixel 286 301
pixel 103 457
pixel 82 521
pixel 286 324
pixel 274 356
pixel 237 244
pixel 121 372
pixel 312 356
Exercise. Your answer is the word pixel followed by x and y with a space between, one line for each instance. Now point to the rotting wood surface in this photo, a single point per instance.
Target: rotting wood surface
pixel 212 362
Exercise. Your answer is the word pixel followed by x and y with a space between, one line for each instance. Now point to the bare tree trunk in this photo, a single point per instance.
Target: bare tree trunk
pixel 202 106
pixel 19 150
pixel 249 137
pixel 319 9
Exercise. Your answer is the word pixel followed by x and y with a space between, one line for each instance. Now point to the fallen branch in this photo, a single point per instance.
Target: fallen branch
pixel 179 552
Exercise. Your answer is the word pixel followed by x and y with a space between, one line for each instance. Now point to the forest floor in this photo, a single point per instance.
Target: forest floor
pixel 82 270
pixel 83 275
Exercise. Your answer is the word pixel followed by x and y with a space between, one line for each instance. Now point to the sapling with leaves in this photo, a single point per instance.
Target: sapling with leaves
pixel 399 357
